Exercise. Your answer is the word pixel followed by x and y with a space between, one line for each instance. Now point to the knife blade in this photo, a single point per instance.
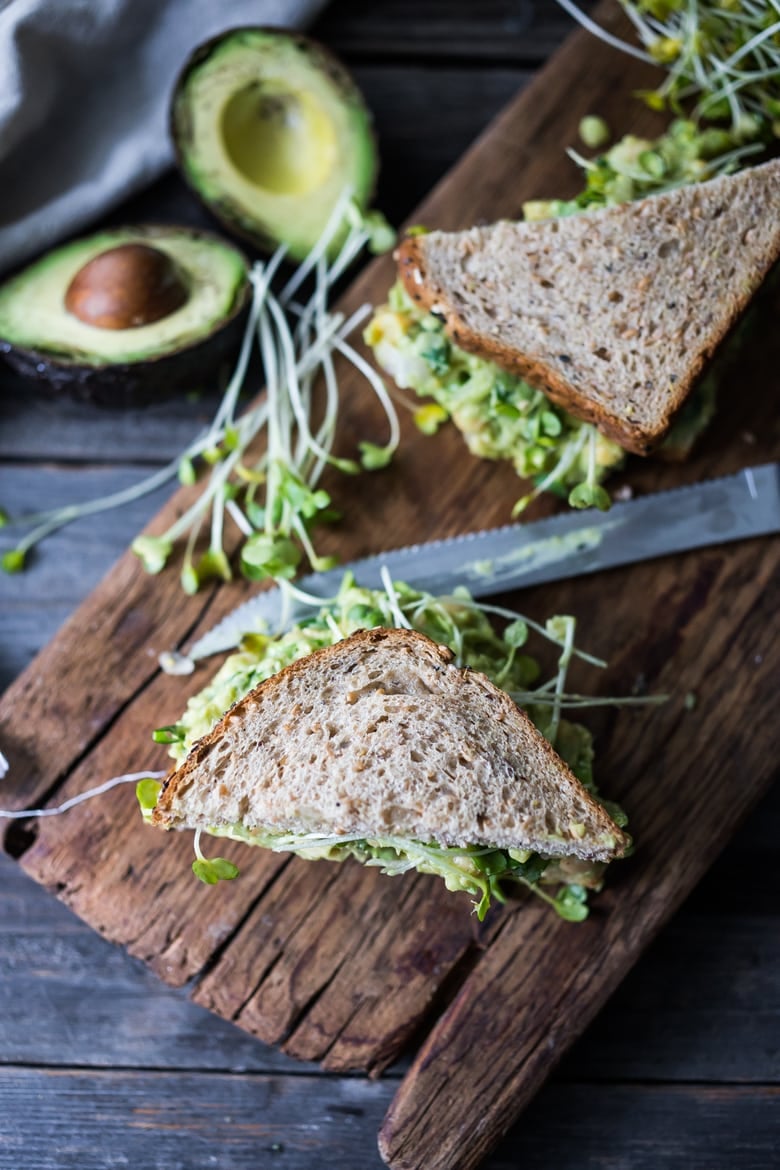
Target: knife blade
pixel 570 544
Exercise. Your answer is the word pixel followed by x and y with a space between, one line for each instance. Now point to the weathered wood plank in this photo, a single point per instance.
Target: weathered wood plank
pixel 410 113
pixel 588 1127
pixel 165 1121
pixel 34 427
pixel 67 689
pixel 98 1121
pixel 721 1022
pixel 514 31
pixel 656 1026
pixel 659 641
pixel 34 604
pixel 344 986
pixel 67 997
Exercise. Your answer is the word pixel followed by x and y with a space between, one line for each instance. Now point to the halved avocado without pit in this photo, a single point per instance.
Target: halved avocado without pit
pixel 127 316
pixel 270 129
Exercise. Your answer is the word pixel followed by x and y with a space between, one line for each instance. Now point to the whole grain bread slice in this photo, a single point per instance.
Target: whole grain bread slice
pixel 614 313
pixel 381 735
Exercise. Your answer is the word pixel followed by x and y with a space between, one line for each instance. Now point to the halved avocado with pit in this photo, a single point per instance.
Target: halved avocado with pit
pixel 127 316
pixel 269 130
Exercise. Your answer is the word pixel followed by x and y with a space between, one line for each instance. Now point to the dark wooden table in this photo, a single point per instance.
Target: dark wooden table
pixel 101 1065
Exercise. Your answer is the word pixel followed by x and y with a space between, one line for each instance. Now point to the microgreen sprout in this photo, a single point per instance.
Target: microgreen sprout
pixel 272 497
pixel 147 792
pixel 590 494
pixel 13 560
pixel 214 869
pixel 145 782
pixel 594 131
pixel 171 734
pixel 722 57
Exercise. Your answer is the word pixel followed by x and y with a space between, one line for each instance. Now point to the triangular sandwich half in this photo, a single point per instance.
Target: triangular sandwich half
pixel 613 313
pixel 381 745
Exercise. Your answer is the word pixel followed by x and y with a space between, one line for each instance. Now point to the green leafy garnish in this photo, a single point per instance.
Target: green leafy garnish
pixel 147 792
pixel 13 560
pixel 374 458
pixel 594 131
pixel 516 634
pixel 173 733
pixel 190 581
pixel 634 168
pixel 213 566
pixel 152 551
pixel 438 356
pixel 722 56
pixel 186 472
pixel 214 870
pixel 270 556
pixel 572 903
pixel 590 495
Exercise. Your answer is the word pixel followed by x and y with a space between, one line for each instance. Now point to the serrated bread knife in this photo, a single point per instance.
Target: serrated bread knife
pixel 567 545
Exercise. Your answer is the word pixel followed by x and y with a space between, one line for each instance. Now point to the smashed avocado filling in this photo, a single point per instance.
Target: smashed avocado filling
pixel 477 870
pixel 462 624
pixel 499 414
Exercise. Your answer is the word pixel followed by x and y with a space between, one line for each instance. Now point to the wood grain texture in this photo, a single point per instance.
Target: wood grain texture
pixel 329 972
pixel 656 1027
pixel 173 1121
pixel 490 31
pixel 75 558
pixel 665 622
pixel 176 1121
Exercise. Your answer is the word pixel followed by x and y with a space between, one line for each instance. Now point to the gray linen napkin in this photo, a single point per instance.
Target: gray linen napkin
pixel 84 91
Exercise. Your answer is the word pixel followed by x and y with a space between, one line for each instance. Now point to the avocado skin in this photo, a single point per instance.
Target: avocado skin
pixel 129 384
pixel 180 129
pixel 124 385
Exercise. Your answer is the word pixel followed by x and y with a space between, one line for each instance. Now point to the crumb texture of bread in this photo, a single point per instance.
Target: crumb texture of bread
pixel 613 313
pixel 383 735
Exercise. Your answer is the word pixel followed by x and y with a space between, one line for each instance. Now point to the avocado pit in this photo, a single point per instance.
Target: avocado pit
pixel 127 316
pixel 126 287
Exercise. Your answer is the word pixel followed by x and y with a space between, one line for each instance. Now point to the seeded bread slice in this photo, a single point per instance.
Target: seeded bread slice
pixel 613 313
pixel 381 735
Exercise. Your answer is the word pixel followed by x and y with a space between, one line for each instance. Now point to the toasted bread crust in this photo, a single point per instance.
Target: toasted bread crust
pixel 635 436
pixel 178 778
pixel 256 765
pixel 413 272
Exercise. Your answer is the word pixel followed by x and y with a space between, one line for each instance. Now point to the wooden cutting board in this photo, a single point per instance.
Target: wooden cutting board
pixel 337 963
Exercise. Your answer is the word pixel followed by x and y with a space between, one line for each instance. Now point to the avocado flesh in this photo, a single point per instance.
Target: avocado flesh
pixel 270 130
pixel 32 303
